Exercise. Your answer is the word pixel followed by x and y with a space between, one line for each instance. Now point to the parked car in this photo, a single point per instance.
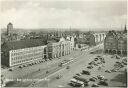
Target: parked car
pixel 78 74
pixel 91 52
pixel 104 83
pixel 100 77
pixel 95 64
pixel 75 76
pixel 95 59
pixel 47 72
pixel 85 72
pixel 108 71
pixel 118 62
pixel 20 66
pixel 95 85
pixel 91 63
pixel 10 69
pixel 58 77
pixel 24 65
pixel 90 67
pixel 92 79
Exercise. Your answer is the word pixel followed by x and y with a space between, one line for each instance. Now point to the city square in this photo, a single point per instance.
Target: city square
pixel 64 44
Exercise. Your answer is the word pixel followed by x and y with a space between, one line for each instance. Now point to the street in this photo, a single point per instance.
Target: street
pixel 78 66
pixel 81 62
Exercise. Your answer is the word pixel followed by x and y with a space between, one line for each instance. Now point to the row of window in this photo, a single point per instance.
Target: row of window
pixel 21 53
pixel 29 49
pixel 22 57
pixel 25 53
pixel 57 55
pixel 26 59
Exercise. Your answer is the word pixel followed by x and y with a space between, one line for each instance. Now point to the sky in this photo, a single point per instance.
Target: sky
pixel 63 14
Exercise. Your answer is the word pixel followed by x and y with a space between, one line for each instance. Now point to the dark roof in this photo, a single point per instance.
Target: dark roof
pixel 112 33
pixel 57 39
pixel 9 23
pixel 13 45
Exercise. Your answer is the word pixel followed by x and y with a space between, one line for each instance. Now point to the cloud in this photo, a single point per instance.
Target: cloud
pixel 63 14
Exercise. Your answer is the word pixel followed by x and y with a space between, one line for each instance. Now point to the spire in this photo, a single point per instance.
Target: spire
pixel 70 30
pixel 125 29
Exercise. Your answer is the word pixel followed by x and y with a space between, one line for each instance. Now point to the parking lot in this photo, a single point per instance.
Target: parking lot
pixel 92 72
pixel 101 72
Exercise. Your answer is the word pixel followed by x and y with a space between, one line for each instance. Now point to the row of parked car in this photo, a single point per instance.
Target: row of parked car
pixel 97 61
pixel 29 64
pixel 78 81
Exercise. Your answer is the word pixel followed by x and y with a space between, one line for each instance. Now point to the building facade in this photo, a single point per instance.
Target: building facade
pixel 111 42
pixel 22 52
pixel 93 39
pixel 116 43
pixel 21 56
pixel 99 37
pixel 61 48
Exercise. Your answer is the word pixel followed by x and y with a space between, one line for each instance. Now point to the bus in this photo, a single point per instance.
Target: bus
pixel 76 83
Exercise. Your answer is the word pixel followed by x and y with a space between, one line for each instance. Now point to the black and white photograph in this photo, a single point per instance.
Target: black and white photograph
pixel 63 43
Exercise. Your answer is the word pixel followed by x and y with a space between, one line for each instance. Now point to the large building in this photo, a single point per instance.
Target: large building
pixel 15 53
pixel 116 42
pixel 23 51
pixel 60 48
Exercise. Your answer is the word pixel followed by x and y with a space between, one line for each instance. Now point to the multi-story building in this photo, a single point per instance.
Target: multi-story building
pixel 53 49
pixel 91 38
pixel 116 43
pixel 60 48
pixel 22 52
pixel 99 37
pixel 122 45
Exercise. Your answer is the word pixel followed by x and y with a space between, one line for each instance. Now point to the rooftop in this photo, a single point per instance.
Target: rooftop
pixel 13 45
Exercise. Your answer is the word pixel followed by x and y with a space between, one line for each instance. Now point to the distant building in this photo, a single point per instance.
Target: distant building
pixel 9 28
pixel 116 43
pixel 90 38
pixel 22 52
pixel 99 37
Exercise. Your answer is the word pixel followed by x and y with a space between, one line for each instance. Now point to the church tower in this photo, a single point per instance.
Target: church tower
pixel 125 29
pixel 9 28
